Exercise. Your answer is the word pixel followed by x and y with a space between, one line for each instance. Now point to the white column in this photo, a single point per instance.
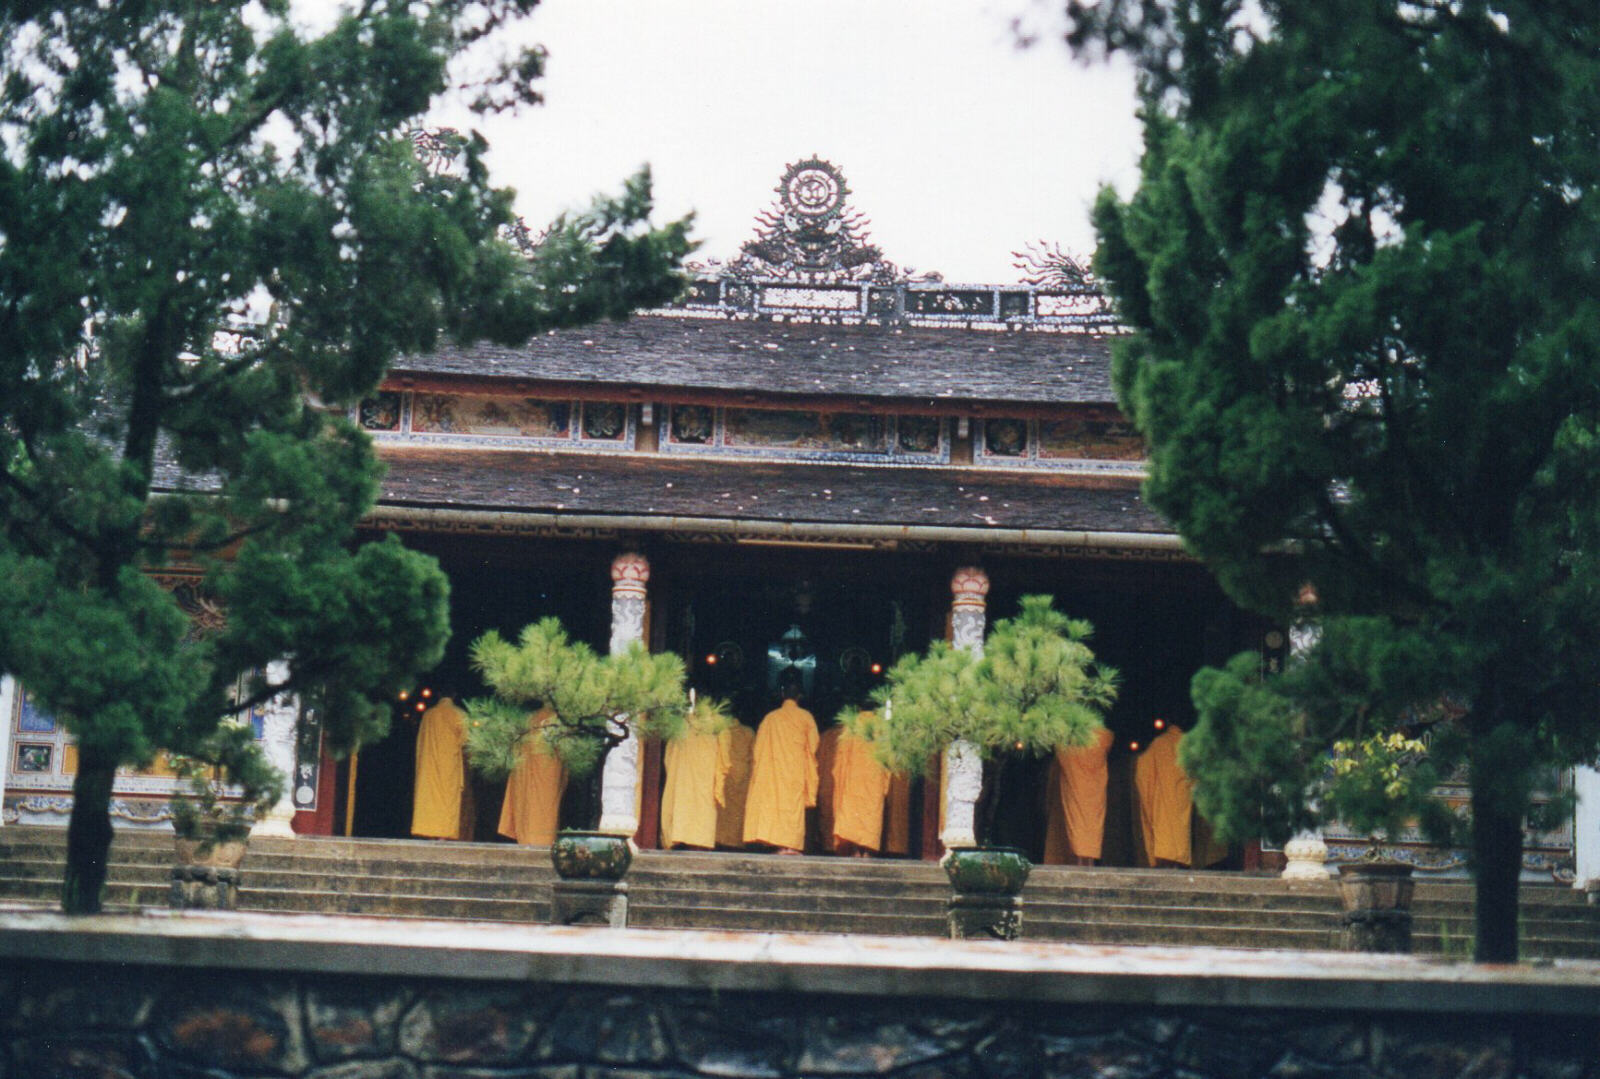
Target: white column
pixel 963 768
pixel 279 717
pixel 619 779
pixel 8 701
pixel 1306 853
pixel 1586 825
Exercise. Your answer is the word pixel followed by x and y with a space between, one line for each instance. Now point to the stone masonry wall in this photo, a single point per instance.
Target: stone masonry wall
pixel 131 1022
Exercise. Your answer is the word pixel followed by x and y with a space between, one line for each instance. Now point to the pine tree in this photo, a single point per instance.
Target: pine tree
pixel 1363 268
pixel 166 169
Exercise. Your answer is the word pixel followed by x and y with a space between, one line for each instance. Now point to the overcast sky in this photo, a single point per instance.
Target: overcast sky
pixel 959 146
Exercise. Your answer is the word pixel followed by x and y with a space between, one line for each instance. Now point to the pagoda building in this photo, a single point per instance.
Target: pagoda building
pixel 815 460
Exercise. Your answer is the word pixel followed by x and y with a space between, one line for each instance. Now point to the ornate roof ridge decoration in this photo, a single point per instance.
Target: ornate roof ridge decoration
pixel 440 150
pixel 1051 266
pixel 812 236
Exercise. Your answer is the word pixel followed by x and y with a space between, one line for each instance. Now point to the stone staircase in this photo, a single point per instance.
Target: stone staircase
pixel 406 878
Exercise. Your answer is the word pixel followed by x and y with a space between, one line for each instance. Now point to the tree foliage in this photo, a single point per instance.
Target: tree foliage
pixel 1362 268
pixel 1036 687
pixel 596 700
pixel 214 235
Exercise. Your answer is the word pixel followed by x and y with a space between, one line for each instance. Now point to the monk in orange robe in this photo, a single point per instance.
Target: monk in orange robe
pixel 1165 804
pixel 697 764
pixel 533 790
pixel 860 785
pixel 897 815
pixel 826 746
pixel 1082 777
pixel 735 786
pixel 783 778
pixel 436 807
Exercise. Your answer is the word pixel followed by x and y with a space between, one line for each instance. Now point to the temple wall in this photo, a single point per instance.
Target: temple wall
pixel 352 998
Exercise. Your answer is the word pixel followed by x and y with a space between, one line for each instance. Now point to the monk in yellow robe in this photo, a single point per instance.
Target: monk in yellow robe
pixel 1165 805
pixel 860 785
pixel 1082 776
pixel 436 807
pixel 697 764
pixel 783 778
pixel 826 746
pixel 530 812
pixel 735 786
pixel 897 815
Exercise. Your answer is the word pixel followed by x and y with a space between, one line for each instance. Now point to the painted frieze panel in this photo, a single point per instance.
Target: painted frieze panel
pixel 486 420
pixel 1092 442
pixel 798 434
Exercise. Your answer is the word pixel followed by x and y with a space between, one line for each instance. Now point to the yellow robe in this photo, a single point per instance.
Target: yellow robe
pixel 1164 801
pixel 826 745
pixel 783 778
pixel 860 785
pixel 1082 776
pixel 735 786
pixel 697 768
pixel 897 815
pixel 436 807
pixel 532 806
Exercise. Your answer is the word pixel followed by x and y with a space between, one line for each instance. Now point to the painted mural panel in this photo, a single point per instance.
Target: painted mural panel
pixel 446 414
pixel 1089 438
pixel 846 432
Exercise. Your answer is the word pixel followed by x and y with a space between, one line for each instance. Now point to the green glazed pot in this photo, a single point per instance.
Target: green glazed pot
pixel 590 855
pixel 987 870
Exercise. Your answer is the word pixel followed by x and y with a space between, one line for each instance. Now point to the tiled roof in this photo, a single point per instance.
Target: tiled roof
pixel 827 494
pixel 810 359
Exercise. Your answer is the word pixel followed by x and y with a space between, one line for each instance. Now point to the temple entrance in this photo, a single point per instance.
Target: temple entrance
pixel 495 583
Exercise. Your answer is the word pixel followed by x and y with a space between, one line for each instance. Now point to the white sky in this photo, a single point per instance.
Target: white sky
pixel 958 146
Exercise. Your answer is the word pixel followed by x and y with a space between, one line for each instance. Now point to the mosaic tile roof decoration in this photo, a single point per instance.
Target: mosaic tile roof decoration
pixel 811 234
pixel 810 262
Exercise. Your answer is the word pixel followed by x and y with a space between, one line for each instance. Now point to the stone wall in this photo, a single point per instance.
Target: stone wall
pixel 107 1019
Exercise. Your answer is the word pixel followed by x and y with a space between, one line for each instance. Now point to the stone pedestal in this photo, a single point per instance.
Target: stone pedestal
pixel 984 917
pixel 1306 857
pixel 204 887
pixel 1376 931
pixel 589 902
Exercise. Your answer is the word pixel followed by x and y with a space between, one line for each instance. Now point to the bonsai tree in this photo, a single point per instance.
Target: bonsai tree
pixel 1037 686
pixel 227 762
pixel 596 701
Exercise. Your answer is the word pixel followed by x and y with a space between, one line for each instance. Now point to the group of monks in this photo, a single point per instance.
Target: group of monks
pixel 738 788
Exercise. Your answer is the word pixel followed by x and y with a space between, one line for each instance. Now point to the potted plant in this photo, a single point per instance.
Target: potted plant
pixel 1378 785
pixel 226 782
pixel 1037 686
pixel 594 702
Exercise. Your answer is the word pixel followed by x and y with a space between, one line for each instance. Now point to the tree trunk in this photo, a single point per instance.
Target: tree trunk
pixel 1497 812
pixel 88 837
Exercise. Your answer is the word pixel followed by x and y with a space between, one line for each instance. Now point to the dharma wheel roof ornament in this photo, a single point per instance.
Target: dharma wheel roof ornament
pixel 812 235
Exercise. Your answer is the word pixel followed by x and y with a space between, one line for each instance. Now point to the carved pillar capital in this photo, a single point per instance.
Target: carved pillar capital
pixel 630 573
pixel 969 588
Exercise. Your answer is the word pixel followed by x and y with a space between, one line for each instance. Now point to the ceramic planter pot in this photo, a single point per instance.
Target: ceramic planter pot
pixel 987 870
pixel 590 855
pixel 206 851
pixel 1376 886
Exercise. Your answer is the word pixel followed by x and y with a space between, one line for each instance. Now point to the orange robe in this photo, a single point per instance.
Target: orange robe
pixel 533 791
pixel 436 807
pixel 697 768
pixel 1163 793
pixel 826 746
pixel 1082 775
pixel 783 778
pixel 735 786
pixel 860 784
pixel 897 815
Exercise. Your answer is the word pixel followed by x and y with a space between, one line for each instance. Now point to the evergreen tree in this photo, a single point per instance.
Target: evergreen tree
pixel 167 167
pixel 1362 270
